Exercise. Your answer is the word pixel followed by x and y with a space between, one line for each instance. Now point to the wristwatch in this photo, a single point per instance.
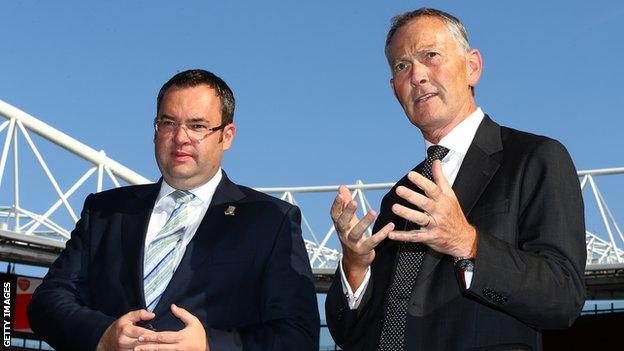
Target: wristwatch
pixel 465 264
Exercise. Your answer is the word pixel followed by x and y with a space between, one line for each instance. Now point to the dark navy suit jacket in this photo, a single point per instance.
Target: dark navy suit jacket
pixel 522 194
pixel 247 272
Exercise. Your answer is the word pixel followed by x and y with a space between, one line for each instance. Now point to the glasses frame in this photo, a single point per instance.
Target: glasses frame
pixel 179 125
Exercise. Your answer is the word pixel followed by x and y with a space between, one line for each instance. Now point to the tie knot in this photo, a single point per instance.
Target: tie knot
pixel 182 196
pixel 436 152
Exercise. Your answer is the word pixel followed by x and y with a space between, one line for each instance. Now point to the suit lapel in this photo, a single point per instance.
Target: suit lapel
pixel 475 173
pixel 478 166
pixel 198 248
pixel 134 229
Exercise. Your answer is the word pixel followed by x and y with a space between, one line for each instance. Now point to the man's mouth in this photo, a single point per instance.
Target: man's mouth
pixel 425 97
pixel 181 154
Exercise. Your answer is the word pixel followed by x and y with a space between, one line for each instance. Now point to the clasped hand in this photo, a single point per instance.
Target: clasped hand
pixel 124 334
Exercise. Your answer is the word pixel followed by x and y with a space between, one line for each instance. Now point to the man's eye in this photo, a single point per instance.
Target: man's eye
pixel 432 54
pixel 400 66
pixel 198 126
pixel 167 123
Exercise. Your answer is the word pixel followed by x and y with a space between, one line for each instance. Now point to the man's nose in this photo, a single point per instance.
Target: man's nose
pixel 181 135
pixel 419 74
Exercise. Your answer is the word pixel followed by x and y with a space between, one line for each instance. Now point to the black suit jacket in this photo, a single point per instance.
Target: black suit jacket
pixel 248 271
pixel 522 194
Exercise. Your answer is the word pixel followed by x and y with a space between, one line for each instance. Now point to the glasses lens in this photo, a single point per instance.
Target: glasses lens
pixel 165 126
pixel 194 130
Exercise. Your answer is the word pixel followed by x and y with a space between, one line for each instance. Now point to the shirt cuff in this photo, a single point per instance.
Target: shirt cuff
pixel 468 278
pixel 353 298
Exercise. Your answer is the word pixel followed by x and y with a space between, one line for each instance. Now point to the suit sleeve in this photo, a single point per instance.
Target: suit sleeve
pixel 289 309
pixel 59 311
pixel 539 278
pixel 350 328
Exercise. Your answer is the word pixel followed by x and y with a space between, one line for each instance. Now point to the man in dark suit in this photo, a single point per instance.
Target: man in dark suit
pixel 193 262
pixel 482 244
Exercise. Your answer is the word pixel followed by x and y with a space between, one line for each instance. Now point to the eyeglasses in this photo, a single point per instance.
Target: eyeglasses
pixel 196 130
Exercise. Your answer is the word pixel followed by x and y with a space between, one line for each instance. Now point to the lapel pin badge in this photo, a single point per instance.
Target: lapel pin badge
pixel 230 210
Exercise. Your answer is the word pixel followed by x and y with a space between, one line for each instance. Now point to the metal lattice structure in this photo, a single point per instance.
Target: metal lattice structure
pixel 30 234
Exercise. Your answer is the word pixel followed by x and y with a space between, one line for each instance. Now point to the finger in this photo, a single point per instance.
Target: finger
pixel 430 188
pixel 439 177
pixel 156 347
pixel 139 315
pixel 149 347
pixel 344 194
pixel 166 337
pixel 415 236
pixel 339 202
pixel 184 315
pixel 360 228
pixel 420 200
pixel 133 331
pixel 378 237
pixel 126 343
pixel 336 208
pixel 345 218
pixel 411 215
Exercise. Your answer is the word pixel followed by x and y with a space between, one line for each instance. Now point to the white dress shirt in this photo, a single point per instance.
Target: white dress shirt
pixel 458 141
pixel 197 209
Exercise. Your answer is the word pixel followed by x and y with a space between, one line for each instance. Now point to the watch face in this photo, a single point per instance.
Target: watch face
pixel 465 265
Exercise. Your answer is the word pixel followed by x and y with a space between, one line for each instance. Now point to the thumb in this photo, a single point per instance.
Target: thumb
pixel 139 315
pixel 184 315
pixel 439 178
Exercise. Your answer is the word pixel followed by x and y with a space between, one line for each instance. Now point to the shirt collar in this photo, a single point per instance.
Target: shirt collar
pixel 458 140
pixel 203 192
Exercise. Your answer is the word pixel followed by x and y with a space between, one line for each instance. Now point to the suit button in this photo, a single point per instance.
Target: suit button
pixel 494 296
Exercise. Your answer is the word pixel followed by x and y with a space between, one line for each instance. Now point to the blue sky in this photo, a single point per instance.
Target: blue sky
pixel 314 106
pixel 311 82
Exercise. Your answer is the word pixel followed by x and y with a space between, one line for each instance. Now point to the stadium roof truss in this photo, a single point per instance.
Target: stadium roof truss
pixel 35 237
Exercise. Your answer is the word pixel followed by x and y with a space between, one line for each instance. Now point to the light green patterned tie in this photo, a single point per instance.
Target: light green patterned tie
pixel 161 254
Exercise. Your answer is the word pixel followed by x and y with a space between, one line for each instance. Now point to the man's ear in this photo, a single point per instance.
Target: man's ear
pixel 393 88
pixel 227 136
pixel 474 67
pixel 154 123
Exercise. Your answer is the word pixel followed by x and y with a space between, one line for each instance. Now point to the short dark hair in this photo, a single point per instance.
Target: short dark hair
pixel 195 77
pixel 454 25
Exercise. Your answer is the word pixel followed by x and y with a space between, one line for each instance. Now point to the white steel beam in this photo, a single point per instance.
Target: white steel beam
pixel 47 171
pixel 604 216
pixel 16 194
pixel 5 149
pixel 601 249
pixel 65 141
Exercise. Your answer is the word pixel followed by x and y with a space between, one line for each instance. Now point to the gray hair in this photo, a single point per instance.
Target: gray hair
pixel 454 25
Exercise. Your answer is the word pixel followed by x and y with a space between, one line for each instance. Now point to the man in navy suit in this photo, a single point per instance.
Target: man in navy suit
pixel 479 247
pixel 193 262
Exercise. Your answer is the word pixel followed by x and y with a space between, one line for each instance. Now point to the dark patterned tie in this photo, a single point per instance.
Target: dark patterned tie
pixel 410 260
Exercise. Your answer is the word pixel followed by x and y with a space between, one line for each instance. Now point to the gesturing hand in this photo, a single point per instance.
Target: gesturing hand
pixel 357 249
pixel 444 227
